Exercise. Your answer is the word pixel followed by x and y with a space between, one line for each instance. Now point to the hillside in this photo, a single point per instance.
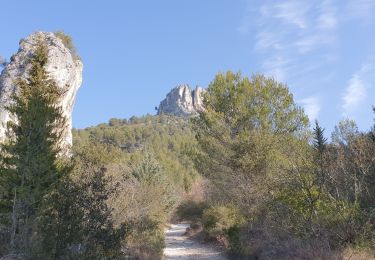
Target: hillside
pixel 168 138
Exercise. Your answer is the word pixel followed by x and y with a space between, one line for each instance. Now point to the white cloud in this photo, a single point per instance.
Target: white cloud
pixel 285 32
pixel 311 42
pixel 355 92
pixel 292 12
pixel 297 41
pixel 276 66
pixel 266 40
pixel 311 106
pixel 327 19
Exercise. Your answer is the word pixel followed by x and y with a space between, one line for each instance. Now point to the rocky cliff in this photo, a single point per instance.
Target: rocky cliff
pixel 182 101
pixel 63 67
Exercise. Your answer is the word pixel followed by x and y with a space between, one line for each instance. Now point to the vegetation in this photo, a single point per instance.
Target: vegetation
pixel 45 212
pixel 29 164
pixel 148 161
pixel 68 43
pixel 248 168
pixel 298 195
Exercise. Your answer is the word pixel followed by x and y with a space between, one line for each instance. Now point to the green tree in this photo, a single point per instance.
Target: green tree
pixel 244 134
pixel 61 221
pixel 372 132
pixel 31 157
pixel 320 146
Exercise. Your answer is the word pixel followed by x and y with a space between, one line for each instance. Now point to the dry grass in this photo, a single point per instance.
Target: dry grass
pixel 355 254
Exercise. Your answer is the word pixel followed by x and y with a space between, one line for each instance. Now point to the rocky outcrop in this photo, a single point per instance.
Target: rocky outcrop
pixel 63 67
pixel 182 101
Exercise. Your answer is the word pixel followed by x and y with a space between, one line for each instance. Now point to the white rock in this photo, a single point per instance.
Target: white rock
pixel 62 67
pixel 182 101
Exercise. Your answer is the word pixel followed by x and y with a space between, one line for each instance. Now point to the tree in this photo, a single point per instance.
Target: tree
pixel 345 132
pixel 244 134
pixel 31 157
pixel 372 132
pixel 320 146
pixel 320 142
pixel 76 221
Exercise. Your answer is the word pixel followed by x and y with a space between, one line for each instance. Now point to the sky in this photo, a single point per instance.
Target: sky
pixel 134 52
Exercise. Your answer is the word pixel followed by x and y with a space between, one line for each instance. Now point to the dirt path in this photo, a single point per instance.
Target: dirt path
pixel 179 246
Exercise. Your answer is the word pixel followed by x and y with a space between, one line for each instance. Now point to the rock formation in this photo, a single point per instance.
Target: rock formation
pixel 63 67
pixel 182 101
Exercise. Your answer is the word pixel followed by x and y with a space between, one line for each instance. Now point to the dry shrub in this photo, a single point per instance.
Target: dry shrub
pixel 356 254
pixel 263 243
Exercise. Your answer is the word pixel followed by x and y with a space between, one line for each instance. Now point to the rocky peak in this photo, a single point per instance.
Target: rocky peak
pixel 63 67
pixel 182 101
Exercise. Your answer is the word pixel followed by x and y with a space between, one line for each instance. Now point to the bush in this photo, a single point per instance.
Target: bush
pixel 366 238
pixel 219 220
pixel 146 240
pixel 191 210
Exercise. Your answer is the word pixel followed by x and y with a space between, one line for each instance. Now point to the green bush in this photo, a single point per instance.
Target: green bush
pixel 234 239
pixel 146 240
pixel 366 238
pixel 191 210
pixel 219 220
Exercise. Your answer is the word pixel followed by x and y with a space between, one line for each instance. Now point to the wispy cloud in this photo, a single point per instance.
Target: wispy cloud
pixel 277 67
pixel 305 43
pixel 311 106
pixel 266 40
pixel 286 31
pixel 327 18
pixel 293 12
pixel 310 42
pixel 355 92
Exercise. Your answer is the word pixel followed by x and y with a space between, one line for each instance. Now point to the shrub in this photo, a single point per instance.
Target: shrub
pixel 191 210
pixel 219 220
pixel 366 238
pixel 68 43
pixel 146 240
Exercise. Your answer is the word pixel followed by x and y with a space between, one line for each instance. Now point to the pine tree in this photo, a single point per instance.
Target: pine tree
pixel 30 157
pixel 320 145
pixel 319 141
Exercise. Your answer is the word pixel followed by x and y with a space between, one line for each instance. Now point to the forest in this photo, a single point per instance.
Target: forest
pixel 250 172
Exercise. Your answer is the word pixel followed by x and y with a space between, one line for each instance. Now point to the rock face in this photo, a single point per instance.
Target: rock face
pixel 63 67
pixel 182 101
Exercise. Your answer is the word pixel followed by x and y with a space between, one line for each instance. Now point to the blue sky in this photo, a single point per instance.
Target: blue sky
pixel 134 52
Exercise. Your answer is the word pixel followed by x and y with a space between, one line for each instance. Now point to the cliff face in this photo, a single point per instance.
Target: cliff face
pixel 182 101
pixel 63 67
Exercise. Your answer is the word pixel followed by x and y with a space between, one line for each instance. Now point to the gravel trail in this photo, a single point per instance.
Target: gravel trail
pixel 179 246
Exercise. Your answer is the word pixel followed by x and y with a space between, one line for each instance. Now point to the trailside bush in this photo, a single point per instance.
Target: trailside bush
pixel 218 220
pixel 191 210
pixel 146 240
